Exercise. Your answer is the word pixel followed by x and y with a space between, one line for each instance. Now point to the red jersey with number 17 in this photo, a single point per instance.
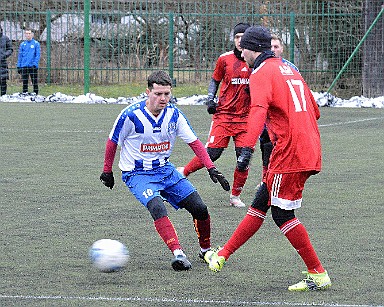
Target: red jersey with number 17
pixel 234 100
pixel 292 115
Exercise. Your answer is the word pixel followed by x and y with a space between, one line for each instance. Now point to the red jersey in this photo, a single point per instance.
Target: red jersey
pixel 281 96
pixel 234 100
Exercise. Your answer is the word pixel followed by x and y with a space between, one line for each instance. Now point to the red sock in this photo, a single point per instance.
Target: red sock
pixel 298 237
pixel 167 232
pixel 239 179
pixel 203 230
pixel 192 166
pixel 245 230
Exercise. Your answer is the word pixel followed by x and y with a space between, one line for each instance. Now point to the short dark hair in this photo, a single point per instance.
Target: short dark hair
pixel 159 77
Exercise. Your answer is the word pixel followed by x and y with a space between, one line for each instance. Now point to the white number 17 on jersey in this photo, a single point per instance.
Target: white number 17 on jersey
pixel 297 87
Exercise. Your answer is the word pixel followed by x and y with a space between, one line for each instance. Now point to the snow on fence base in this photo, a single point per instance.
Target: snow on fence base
pixel 322 99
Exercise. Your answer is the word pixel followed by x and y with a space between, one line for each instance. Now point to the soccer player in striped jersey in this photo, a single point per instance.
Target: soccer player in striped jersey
pixel 146 132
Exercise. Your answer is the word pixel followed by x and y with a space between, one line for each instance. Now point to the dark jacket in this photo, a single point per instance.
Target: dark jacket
pixel 5 52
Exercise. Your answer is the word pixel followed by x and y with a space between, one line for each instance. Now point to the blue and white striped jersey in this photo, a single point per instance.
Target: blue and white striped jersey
pixel 147 141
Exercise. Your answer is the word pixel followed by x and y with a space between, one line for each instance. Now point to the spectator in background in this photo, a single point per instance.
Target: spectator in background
pixel 28 61
pixel 5 52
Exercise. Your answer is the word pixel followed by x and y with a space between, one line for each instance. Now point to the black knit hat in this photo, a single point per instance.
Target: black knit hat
pixel 257 39
pixel 240 28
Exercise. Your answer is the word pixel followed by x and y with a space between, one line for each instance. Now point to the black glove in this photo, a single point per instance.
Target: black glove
pixel 211 106
pixel 216 176
pixel 107 179
pixel 19 70
pixel 244 159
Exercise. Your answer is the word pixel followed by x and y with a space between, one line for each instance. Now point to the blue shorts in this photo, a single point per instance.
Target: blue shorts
pixel 164 181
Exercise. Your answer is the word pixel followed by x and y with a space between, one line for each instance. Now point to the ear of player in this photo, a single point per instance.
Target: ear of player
pixel 217 176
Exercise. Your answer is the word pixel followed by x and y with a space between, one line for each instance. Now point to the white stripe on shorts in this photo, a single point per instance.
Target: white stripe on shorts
pixel 282 203
pixel 276 184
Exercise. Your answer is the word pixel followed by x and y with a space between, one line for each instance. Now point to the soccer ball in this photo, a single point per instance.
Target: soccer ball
pixel 108 255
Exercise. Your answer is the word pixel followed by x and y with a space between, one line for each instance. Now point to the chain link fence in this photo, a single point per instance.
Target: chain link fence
pixel 115 41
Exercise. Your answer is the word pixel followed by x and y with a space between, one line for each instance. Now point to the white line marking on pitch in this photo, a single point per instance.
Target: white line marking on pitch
pixel 173 300
pixel 351 122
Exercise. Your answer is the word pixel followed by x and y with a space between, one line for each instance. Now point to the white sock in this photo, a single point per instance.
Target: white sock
pixel 203 250
pixel 178 252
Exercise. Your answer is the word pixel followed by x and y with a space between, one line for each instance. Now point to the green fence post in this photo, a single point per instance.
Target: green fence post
pixel 170 51
pixel 292 37
pixel 87 8
pixel 48 22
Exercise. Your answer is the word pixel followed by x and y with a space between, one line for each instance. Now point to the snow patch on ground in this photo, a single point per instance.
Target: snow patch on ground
pixel 322 99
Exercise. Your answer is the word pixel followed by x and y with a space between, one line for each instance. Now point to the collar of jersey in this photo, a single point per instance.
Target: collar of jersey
pixel 150 117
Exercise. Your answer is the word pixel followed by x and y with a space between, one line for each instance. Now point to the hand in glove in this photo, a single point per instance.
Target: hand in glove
pixel 244 159
pixel 107 179
pixel 216 176
pixel 211 106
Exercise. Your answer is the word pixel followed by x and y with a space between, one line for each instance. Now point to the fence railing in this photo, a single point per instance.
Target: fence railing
pixel 105 42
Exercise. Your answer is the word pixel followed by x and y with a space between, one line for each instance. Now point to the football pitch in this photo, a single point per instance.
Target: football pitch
pixel 53 207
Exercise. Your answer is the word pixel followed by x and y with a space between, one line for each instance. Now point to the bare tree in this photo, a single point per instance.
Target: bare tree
pixel 373 50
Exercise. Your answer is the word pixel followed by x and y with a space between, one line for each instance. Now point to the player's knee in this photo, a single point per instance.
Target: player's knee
pixel 215 153
pixel 238 151
pixel 260 202
pixel 157 208
pixel 195 206
pixel 281 216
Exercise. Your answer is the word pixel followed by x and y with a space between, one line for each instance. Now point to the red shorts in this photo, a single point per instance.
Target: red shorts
pixel 286 190
pixel 220 134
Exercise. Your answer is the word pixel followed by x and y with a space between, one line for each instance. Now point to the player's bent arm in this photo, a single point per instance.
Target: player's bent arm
pixel 216 176
pixel 109 156
pixel 255 126
pixel 201 152
pixel 212 88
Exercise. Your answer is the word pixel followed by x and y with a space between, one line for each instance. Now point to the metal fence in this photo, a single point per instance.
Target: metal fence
pixel 116 41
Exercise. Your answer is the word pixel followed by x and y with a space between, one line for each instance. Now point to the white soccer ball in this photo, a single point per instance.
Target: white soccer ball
pixel 109 255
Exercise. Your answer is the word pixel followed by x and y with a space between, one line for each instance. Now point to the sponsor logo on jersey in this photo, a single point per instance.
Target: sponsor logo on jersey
pixel 164 146
pixel 240 81
pixel 286 70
